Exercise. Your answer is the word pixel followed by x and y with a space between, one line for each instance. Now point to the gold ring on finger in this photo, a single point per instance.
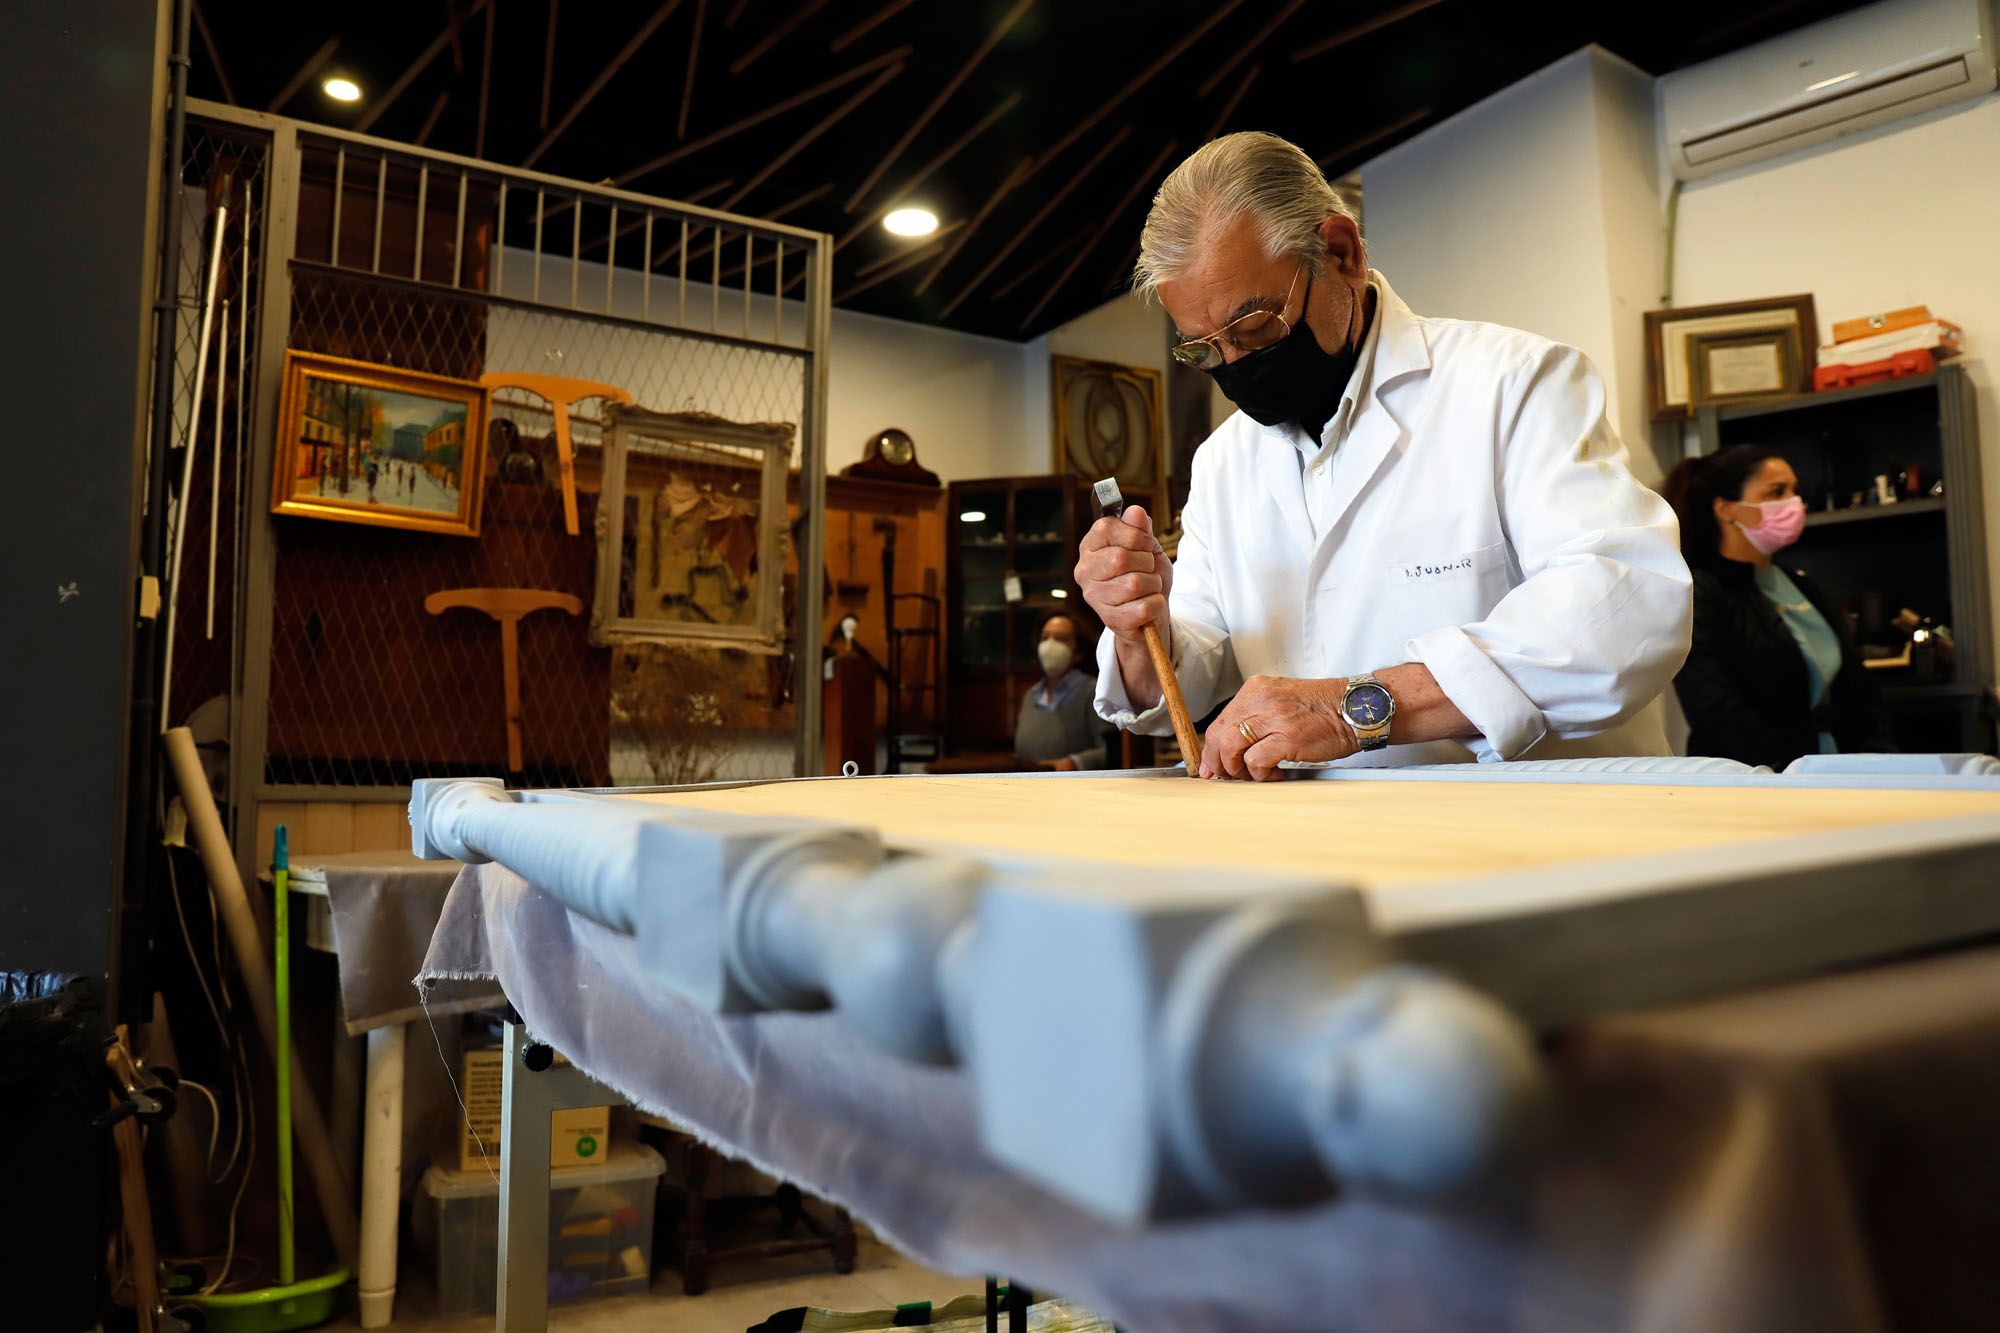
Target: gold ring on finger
pixel 1247 732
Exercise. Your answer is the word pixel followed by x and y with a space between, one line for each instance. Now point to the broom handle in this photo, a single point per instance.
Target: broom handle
pixel 281 955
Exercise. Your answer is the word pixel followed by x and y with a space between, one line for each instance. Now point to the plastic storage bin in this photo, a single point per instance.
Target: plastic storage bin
pixel 600 1230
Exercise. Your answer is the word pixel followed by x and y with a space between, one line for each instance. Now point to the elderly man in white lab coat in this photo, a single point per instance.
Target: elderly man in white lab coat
pixel 1416 537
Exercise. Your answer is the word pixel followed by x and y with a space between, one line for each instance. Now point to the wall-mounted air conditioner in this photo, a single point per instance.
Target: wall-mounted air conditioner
pixel 1863 68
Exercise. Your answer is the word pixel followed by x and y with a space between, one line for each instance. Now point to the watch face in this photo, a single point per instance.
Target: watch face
pixel 1367 705
pixel 896 448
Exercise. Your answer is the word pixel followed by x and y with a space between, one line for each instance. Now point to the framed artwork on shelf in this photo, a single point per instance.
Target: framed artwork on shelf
pixel 361 443
pixel 1110 422
pixel 691 530
pixel 1744 367
pixel 1669 364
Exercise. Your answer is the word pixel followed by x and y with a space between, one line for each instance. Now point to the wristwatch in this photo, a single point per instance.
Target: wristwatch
pixel 1367 706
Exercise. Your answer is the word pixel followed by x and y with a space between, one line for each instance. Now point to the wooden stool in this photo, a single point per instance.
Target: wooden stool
pixel 561 392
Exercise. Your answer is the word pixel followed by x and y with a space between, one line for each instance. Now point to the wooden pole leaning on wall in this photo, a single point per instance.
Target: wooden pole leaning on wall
pixel 336 1201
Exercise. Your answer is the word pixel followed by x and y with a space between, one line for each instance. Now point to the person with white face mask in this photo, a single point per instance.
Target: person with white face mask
pixel 1774 672
pixel 1057 728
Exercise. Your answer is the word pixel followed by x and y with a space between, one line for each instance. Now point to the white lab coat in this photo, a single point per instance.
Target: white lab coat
pixel 1469 508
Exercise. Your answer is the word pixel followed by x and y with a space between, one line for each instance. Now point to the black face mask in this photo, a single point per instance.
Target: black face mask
pixel 1292 381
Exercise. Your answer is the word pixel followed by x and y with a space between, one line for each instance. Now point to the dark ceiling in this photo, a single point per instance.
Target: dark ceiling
pixel 1038 127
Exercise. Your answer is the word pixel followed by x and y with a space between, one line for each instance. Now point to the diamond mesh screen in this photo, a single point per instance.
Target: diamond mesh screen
pixel 395 264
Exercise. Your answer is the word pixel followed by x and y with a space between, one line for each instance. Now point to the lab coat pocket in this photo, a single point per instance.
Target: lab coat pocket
pixel 1447 589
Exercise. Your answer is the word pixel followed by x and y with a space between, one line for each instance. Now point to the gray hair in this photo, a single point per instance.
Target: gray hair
pixel 1268 178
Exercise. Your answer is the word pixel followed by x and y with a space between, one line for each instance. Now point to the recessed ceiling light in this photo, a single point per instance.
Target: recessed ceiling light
pixel 1058 592
pixel 911 222
pixel 973 516
pixel 342 90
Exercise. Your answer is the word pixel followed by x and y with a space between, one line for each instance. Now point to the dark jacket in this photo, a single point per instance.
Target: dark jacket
pixel 1745 687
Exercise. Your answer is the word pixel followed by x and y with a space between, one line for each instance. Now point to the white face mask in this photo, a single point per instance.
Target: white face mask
pixel 1056 656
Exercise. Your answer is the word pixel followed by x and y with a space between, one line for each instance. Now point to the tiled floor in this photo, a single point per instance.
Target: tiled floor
pixel 742 1294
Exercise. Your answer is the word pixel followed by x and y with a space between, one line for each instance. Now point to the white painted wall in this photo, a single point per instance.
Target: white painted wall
pixel 1538 209
pixel 1902 215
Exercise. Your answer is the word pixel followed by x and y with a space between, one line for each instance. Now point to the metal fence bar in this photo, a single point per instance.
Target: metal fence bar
pixel 575 249
pixel 381 189
pixel 749 248
pixel 646 270
pixel 715 283
pixel 339 188
pixel 250 723
pixel 536 292
pixel 610 256
pixel 807 759
pixel 778 293
pixel 423 201
pixel 684 271
pixel 458 234
pixel 500 242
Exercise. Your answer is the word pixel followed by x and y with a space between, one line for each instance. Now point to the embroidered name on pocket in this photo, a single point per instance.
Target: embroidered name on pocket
pixel 1425 571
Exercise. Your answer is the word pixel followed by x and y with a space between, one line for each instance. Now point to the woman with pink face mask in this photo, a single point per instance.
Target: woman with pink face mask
pixel 1773 672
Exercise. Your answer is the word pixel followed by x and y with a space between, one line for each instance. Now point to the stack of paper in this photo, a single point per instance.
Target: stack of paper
pixel 1937 335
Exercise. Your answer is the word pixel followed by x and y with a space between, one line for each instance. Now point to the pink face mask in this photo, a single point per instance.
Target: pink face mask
pixel 1780 526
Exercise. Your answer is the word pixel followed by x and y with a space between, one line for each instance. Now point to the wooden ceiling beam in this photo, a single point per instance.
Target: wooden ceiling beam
pixel 314 64
pixel 604 76
pixel 1146 76
pixel 929 243
pixel 1021 171
pixel 897 266
pixel 1375 136
pixel 923 119
pixel 548 66
pixel 1063 247
pixel 910 186
pixel 431 120
pixel 735 12
pixel 869 24
pixel 776 35
pixel 1117 211
pixel 833 118
pixel 694 50
pixel 451 26
pixel 1235 99
pixel 1049 206
pixel 1243 52
pixel 417 66
pixel 861 70
pixel 485 78
pixel 214 56
pixel 1359 30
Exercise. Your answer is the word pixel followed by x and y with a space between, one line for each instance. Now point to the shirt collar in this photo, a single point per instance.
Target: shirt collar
pixel 1054 698
pixel 1394 347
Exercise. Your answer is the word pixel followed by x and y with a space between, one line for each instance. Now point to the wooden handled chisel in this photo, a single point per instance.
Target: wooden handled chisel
pixel 1110 504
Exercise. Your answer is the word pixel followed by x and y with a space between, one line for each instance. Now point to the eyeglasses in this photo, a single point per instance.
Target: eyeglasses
pixel 1252 332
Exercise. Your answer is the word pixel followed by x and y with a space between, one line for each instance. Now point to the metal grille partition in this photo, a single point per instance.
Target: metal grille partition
pixel 425 261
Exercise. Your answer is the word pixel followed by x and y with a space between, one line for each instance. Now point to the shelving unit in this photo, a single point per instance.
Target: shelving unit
pixel 1925 553
pixel 1026 528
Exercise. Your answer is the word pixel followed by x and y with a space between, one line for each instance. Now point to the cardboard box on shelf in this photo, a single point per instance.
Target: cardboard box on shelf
pixel 576 1138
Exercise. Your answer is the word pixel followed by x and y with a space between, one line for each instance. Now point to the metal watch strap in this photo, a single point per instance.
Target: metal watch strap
pixel 1375 736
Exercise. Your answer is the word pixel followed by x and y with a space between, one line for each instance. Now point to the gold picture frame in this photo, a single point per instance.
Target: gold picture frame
pixel 1743 367
pixel 362 443
pixel 691 530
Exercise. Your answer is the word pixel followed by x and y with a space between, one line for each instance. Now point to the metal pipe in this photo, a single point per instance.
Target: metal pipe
pixel 215 470
pixel 148 691
pixel 170 593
